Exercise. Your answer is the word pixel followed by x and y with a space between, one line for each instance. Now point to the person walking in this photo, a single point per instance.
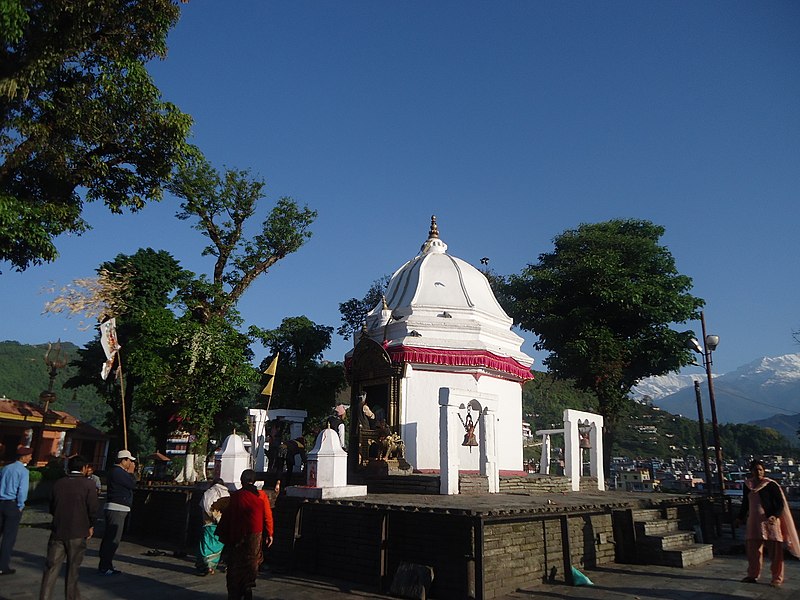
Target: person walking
pixel 246 522
pixel 768 523
pixel 210 549
pixel 119 498
pixel 74 507
pixel 93 478
pixel 13 493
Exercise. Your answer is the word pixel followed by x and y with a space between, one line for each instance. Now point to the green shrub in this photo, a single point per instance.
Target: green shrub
pixel 34 475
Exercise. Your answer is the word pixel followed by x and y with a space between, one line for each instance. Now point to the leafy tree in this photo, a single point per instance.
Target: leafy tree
pixel 80 117
pixel 602 303
pixel 187 360
pixel 354 311
pixel 220 206
pixel 302 380
pixel 138 290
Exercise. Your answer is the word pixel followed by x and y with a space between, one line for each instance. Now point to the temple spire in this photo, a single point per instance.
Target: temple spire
pixel 434 231
pixel 433 243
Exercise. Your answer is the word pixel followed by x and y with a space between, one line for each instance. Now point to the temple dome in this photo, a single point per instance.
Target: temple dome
pixel 437 301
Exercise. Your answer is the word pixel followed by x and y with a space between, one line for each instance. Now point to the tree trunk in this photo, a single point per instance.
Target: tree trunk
pixel 195 467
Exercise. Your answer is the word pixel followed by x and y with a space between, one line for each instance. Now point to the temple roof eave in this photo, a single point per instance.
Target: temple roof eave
pixel 462 360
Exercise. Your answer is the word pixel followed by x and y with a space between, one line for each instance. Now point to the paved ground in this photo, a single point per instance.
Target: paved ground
pixel 148 577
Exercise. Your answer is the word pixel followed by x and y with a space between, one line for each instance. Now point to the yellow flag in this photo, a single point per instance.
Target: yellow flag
pixel 272 366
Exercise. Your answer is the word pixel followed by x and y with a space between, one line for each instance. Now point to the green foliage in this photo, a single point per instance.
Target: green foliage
pixel 302 380
pixel 742 440
pixel 24 375
pixel 187 366
pixel 602 304
pixel 80 118
pixel 545 397
pixel 221 206
pixel 34 476
pixel 354 311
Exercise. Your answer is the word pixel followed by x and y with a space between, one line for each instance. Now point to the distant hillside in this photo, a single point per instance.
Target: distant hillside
pixel 787 425
pixel 24 375
pixel 763 388
pixel 649 431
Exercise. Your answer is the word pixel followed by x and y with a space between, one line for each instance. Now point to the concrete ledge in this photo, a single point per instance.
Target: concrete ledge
pixel 325 493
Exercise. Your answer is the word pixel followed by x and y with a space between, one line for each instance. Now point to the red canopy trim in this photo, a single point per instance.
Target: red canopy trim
pixel 460 358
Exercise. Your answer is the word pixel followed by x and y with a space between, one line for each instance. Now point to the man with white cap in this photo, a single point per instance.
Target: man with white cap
pixel 13 493
pixel 119 497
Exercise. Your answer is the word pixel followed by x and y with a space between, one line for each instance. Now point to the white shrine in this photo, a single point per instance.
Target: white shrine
pixel 438 360
pixel 326 471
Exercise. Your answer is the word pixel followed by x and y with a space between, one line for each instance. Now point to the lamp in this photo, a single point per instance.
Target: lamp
pixel 711 342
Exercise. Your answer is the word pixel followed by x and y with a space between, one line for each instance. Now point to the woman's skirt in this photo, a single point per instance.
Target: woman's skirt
pixel 210 549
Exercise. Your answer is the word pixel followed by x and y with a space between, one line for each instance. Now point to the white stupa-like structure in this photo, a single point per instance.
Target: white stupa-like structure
pixel 439 327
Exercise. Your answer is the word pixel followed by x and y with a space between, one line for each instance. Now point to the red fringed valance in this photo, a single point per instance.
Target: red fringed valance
pixel 460 358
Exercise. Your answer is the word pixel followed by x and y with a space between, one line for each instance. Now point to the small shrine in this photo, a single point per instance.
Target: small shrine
pixel 438 333
pixel 326 471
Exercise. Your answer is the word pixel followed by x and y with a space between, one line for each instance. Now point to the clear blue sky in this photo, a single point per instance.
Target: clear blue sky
pixel 510 121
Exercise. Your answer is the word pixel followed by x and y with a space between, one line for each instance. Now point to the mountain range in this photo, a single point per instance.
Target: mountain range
pixel 764 392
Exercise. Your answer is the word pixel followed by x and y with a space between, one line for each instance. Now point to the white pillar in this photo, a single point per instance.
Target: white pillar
pixel 596 454
pixel 489 450
pixel 449 428
pixel 258 417
pixel 544 461
pixel 572 450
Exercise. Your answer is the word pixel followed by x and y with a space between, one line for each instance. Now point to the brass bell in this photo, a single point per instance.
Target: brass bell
pixel 585 442
pixel 469 439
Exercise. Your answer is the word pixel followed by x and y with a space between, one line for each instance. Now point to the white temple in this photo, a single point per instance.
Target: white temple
pixel 439 327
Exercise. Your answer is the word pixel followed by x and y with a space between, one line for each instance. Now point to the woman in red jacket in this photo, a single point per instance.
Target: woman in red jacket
pixel 246 523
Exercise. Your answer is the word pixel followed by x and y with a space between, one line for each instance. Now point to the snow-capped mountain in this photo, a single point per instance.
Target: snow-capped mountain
pixel 662 385
pixel 765 387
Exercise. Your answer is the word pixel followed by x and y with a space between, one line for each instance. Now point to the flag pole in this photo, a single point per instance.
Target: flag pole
pixel 122 394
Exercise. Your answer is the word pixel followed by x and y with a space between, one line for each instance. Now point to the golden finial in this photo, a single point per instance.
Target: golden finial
pixel 434 232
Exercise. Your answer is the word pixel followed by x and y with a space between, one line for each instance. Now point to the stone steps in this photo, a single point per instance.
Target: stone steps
pixel 671 541
pixel 696 554
pixel 661 541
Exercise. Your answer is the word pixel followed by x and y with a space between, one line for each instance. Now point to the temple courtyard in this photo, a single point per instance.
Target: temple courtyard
pixel 148 574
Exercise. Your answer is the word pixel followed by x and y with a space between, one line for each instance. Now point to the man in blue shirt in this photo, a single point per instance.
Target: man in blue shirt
pixel 13 493
pixel 120 484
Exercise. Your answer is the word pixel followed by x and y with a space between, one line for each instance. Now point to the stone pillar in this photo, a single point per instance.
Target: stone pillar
pixel 489 450
pixel 449 429
pixel 544 461
pixel 596 468
pixel 572 451
pixel 258 418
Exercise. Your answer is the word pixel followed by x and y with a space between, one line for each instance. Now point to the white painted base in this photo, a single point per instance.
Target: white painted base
pixel 325 493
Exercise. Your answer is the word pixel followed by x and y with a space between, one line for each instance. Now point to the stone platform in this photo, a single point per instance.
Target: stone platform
pixel 480 546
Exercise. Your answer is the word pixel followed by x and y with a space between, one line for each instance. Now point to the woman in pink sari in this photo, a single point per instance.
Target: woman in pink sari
pixel 768 522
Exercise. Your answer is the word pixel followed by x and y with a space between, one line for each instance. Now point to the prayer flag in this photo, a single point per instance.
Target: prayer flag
pixel 272 366
pixel 270 372
pixel 108 340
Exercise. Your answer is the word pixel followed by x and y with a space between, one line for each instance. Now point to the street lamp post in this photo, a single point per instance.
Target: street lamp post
pixel 710 343
pixel 703 443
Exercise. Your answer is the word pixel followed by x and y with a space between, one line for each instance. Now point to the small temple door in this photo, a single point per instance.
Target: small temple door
pixel 374 400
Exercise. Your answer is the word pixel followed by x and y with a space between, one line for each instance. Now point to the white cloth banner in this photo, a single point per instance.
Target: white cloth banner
pixel 108 339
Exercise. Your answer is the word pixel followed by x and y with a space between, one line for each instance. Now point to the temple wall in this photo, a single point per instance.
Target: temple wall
pixel 419 417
